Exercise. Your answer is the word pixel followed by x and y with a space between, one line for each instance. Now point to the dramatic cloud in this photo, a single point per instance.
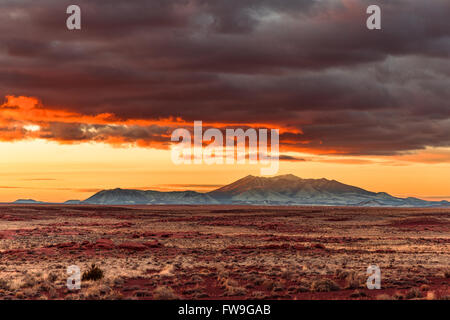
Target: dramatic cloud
pixel 138 69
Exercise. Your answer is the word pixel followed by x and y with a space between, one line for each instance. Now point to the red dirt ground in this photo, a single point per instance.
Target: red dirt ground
pixel 224 252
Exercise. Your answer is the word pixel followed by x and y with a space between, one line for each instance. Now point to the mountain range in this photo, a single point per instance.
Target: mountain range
pixel 251 190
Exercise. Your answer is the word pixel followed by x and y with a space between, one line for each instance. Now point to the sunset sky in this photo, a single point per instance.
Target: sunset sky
pixel 94 109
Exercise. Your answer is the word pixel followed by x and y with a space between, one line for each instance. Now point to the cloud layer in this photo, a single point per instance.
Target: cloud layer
pixel 308 66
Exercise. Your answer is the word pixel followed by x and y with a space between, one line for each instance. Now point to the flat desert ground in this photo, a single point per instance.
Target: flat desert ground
pixel 224 252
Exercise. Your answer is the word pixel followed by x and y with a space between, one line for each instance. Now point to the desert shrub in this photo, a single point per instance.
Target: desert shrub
pixel 287 274
pixel 352 281
pixel 114 295
pixel 299 288
pixel 44 286
pixel 258 295
pixel 93 273
pixel 424 287
pixel 341 274
pixel 30 292
pixel 413 293
pixel 235 291
pixel 358 294
pixel 4 284
pixel 230 283
pixel 119 282
pixel 324 285
pixel 164 293
pixel 167 271
pixel 28 282
pixel 52 293
pixel 52 277
pixel 398 296
pixel 447 274
pixel 258 281
pixel 268 284
pixel 231 287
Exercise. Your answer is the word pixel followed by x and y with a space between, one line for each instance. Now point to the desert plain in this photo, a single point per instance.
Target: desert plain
pixel 224 252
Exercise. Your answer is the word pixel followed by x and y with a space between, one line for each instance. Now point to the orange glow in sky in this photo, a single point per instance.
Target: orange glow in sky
pixel 49 171
pixel 39 164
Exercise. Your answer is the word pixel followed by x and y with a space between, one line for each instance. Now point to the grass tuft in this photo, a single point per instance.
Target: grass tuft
pixel 94 273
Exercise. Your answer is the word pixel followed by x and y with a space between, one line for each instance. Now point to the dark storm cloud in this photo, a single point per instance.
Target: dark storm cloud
pixel 310 65
pixel 153 136
pixel 285 157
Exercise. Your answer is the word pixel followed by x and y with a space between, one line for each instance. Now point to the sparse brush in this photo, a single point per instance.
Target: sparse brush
pixel 118 281
pixel 52 277
pixel 229 283
pixel 358 294
pixel 413 293
pixel 231 287
pixel 29 292
pixel 167 271
pixel 258 281
pixel 164 293
pixel 45 286
pixel 52 293
pixel 299 288
pixel 258 295
pixel 94 273
pixel 424 287
pixel 28 282
pixel 352 281
pixel 398 296
pixel 4 284
pixel 447 274
pixel 114 295
pixel 235 291
pixel 287 274
pixel 324 285
pixel 341 274
pixel 268 284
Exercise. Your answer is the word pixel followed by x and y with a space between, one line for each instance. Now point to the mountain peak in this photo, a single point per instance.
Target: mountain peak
pixel 289 176
pixel 28 201
pixel 286 189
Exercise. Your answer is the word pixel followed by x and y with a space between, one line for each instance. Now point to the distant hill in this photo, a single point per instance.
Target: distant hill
pixel 27 201
pixel 73 202
pixel 279 190
pixel 127 196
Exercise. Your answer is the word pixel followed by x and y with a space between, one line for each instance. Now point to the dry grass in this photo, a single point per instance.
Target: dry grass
pixel 413 293
pixel 354 281
pixel 164 293
pixel 215 252
pixel 324 285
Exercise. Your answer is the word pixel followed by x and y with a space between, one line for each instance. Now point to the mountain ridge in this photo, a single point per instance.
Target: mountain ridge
pixel 253 190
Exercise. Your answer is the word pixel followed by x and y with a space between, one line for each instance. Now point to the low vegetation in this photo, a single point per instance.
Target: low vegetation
pixel 223 252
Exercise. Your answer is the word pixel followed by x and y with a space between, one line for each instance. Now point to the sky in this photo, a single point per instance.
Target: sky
pixel 92 109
